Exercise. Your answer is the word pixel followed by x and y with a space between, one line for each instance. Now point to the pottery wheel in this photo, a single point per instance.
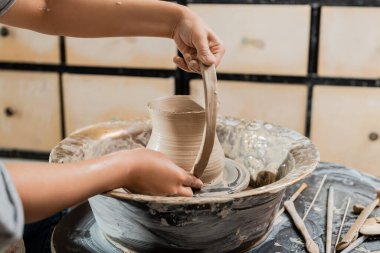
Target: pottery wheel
pixel 78 232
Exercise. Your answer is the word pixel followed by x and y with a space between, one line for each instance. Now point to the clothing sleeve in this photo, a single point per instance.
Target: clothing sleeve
pixel 11 211
pixel 5 5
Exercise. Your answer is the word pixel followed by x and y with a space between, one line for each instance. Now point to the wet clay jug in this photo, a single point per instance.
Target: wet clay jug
pixel 186 132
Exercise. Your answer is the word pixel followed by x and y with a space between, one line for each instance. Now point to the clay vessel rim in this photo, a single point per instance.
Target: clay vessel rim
pixel 271 189
pixel 83 136
pixel 201 110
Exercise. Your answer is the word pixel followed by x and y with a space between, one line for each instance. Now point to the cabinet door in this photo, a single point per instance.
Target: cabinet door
pixel 130 52
pixel 279 104
pixel 30 112
pixel 19 45
pixel 346 125
pixel 350 42
pixel 261 39
pixel 91 99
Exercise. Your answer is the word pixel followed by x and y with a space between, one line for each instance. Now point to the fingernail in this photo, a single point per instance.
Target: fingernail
pixel 193 66
pixel 187 57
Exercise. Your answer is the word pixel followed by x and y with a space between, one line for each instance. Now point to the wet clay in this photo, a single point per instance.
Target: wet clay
pixel 178 129
pixel 211 106
pixel 200 224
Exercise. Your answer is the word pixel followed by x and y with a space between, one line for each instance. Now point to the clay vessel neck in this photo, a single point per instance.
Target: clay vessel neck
pixel 178 128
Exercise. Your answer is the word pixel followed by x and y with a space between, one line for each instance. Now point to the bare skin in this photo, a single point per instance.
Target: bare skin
pixel 99 18
pixel 45 188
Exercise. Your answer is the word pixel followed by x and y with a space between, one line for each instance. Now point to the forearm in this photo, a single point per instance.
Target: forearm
pixel 96 18
pixel 45 188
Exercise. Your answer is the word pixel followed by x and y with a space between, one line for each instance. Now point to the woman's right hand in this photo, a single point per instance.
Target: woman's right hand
pixel 196 41
pixel 153 173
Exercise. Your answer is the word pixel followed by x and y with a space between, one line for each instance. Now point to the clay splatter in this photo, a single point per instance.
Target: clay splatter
pixel 296 240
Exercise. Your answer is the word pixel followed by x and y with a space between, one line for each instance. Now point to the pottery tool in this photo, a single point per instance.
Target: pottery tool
pixel 357 208
pixel 293 198
pixel 311 246
pixel 355 244
pixel 354 229
pixel 371 226
pixel 211 99
pixel 315 197
pixel 342 223
pixel 330 210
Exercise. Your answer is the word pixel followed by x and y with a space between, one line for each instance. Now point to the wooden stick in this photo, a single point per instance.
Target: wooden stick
pixel 311 246
pixel 330 210
pixel 358 208
pixel 211 110
pixel 315 197
pixel 342 223
pixel 354 229
pixel 355 243
pixel 293 198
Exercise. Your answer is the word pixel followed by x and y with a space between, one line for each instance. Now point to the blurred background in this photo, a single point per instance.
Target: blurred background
pixel 312 66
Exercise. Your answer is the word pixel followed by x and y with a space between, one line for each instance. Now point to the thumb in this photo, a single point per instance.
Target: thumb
pixel 203 50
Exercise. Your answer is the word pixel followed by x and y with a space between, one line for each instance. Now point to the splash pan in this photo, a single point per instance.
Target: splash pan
pixel 275 157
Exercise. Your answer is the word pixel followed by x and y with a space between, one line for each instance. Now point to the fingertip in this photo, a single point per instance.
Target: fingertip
pixel 194 66
pixel 197 183
pixel 218 57
pixel 185 192
pixel 180 62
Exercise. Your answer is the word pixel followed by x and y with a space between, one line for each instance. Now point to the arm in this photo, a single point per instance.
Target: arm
pixel 111 18
pixel 47 188
pixel 96 18
pixel 11 211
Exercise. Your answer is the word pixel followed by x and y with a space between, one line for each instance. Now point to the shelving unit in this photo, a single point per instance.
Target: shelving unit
pixel 298 46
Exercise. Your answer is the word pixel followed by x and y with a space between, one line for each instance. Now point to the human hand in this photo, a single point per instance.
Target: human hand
pixel 153 173
pixel 196 42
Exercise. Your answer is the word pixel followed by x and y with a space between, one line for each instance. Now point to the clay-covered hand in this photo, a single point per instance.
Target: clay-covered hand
pixel 196 42
pixel 153 173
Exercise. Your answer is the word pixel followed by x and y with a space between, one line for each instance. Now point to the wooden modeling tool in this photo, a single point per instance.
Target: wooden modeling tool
pixel 357 208
pixel 293 198
pixel 355 244
pixel 342 223
pixel 371 226
pixel 315 197
pixel 330 213
pixel 311 246
pixel 353 232
pixel 211 101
